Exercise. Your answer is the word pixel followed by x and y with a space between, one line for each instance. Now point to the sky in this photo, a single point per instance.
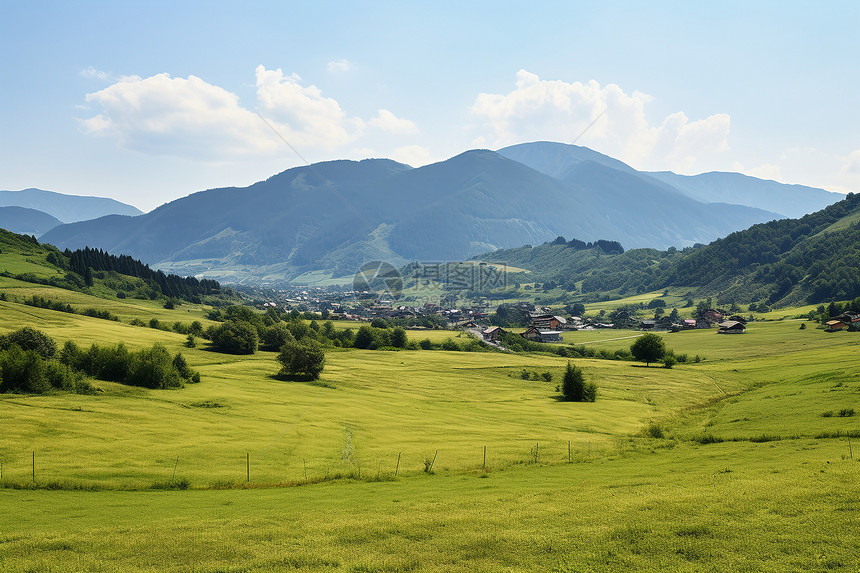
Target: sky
pixel 146 102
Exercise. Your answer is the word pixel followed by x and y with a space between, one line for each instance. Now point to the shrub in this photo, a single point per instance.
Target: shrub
pixel 274 337
pixel 846 412
pixel 398 337
pixel 235 338
pixel 153 368
pixel 450 344
pixel 304 359
pixel 426 344
pixel 574 388
pixel 190 342
pixel 30 339
pixel 669 361
pixel 547 376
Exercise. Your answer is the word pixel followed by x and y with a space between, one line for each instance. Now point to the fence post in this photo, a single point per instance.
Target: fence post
pixel 305 464
pixel 34 466
pixel 396 469
pixel 248 465
pixel 850 451
pixel 537 450
pixel 568 451
pixel 434 461
pixel 484 465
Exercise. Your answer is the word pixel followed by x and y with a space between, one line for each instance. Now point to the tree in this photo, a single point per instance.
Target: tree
pixel 648 348
pixel 235 338
pixel 302 359
pixel 574 388
pixel 30 339
pixel 398 337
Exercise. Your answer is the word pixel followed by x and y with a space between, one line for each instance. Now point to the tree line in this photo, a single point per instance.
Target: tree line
pixel 30 363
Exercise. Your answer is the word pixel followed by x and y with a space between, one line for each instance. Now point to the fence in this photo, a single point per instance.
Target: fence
pixel 54 469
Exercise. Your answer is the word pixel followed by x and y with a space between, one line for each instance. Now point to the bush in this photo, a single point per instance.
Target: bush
pixel 30 339
pixel 574 388
pixel 450 344
pixel 547 376
pixel 153 368
pixel 669 361
pixel 274 337
pixel 426 344
pixel 302 359
pixel 235 338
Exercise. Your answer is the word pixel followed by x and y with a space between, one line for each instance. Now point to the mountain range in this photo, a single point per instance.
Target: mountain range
pixel 66 208
pixel 324 220
pixel 26 221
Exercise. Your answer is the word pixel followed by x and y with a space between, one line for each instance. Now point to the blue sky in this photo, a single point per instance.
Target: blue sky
pixel 150 101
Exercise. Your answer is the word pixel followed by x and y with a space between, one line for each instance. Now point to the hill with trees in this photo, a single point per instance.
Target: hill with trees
pixel 330 218
pixel 808 260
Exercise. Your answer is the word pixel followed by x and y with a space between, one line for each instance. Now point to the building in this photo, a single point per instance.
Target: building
pixel 493 333
pixel 835 325
pixel 537 335
pixel 547 322
pixel 732 327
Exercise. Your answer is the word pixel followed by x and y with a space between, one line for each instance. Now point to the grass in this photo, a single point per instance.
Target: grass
pixel 144 480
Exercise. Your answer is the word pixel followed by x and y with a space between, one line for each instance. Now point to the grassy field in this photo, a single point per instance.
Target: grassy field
pixel 778 492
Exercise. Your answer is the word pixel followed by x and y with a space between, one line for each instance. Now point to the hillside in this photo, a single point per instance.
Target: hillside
pixel 97 273
pixel 331 217
pixel 790 200
pixel 560 161
pixel 26 221
pixel 812 259
pixel 66 208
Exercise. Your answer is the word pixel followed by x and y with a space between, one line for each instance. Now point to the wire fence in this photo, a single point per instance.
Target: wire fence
pixel 55 469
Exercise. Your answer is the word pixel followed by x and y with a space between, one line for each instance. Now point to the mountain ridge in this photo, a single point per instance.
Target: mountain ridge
pixel 66 208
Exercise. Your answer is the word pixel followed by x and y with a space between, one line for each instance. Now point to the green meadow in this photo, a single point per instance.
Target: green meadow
pixel 740 462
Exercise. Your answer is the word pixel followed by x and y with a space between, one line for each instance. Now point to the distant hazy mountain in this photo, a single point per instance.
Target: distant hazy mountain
pixel 560 160
pixel 336 215
pixel 26 221
pixel 790 200
pixel 66 208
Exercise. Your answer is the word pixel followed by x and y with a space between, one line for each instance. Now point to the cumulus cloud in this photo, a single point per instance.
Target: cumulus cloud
pixel 414 155
pixel 387 121
pixel 176 116
pixel 341 65
pixel 191 118
pixel 539 109
pixel 306 116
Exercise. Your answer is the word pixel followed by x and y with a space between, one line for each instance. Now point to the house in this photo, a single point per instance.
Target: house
pixel 850 319
pixel 547 322
pixel 647 324
pixel 835 325
pixel 689 323
pixel 493 333
pixel 732 327
pixel 712 315
pixel 537 335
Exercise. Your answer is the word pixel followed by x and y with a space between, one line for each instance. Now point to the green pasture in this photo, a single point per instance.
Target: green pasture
pixel 126 309
pixel 779 493
pixel 772 507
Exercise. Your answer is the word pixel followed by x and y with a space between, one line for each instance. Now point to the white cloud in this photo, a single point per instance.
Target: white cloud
pixel 93 74
pixel 176 116
pixel 307 118
pixel 414 155
pixel 341 65
pixel 555 110
pixel 190 118
pixel 387 121
pixel 765 171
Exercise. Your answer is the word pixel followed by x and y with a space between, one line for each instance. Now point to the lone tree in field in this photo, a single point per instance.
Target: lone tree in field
pixel 648 348
pixel 574 388
pixel 302 359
